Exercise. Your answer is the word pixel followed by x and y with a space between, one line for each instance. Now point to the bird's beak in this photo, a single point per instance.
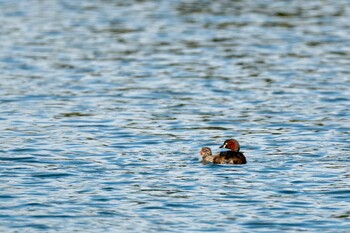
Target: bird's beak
pixel 223 145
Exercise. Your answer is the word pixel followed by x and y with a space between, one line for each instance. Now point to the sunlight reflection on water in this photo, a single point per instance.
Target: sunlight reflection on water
pixel 105 106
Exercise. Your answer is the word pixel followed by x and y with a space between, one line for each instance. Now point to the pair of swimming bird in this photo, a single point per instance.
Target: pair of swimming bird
pixel 232 156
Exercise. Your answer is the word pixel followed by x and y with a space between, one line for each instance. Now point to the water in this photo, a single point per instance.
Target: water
pixel 104 106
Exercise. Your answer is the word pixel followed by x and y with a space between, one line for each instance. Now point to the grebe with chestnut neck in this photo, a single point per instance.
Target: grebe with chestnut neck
pixel 232 156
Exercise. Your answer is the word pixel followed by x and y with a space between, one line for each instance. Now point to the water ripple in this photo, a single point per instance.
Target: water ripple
pixel 105 105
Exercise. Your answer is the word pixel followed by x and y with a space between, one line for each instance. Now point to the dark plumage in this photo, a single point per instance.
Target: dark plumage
pixel 230 157
pixel 233 156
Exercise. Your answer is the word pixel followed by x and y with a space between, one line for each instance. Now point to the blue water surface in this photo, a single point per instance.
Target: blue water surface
pixel 104 106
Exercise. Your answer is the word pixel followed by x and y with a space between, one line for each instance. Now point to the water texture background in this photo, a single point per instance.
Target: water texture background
pixel 104 106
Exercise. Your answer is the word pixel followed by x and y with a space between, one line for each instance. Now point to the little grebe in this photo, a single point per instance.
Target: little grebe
pixel 206 154
pixel 233 156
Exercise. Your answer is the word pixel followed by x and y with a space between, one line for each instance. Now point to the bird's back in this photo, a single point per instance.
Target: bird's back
pixel 230 157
